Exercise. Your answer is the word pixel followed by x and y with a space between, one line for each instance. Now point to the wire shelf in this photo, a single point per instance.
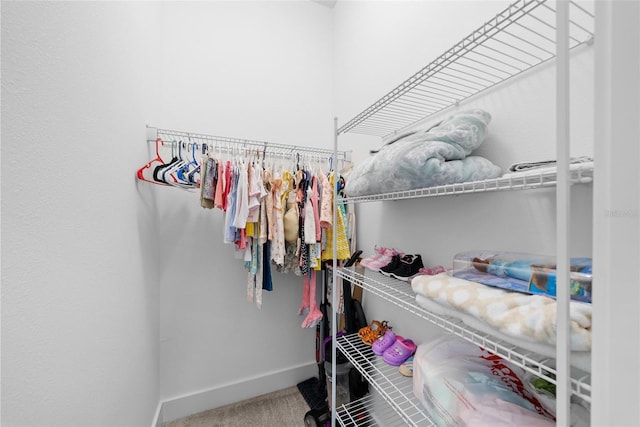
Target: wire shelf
pixel 368 411
pixel 580 173
pixel 231 145
pixel 517 39
pixel 394 388
pixel 401 294
pixel 357 413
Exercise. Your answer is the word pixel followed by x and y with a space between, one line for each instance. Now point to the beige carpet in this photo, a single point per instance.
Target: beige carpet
pixel 283 408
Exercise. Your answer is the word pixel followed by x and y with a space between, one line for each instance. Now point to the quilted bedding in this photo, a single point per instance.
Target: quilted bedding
pixel 427 158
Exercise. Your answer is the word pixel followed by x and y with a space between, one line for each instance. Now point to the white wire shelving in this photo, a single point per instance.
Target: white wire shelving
pixel 401 294
pixel 580 173
pixel 358 413
pixel 368 411
pixel 395 389
pixel 231 145
pixel 516 40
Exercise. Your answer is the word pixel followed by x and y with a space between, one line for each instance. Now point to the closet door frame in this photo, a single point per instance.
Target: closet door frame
pixel 616 216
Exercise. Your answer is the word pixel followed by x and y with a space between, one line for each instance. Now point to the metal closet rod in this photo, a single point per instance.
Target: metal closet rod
pixel 223 142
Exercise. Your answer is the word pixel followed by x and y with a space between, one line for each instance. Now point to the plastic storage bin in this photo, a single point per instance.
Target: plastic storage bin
pixel 342 382
pixel 521 272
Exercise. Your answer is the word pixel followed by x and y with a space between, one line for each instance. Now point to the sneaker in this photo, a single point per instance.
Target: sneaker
pixel 378 252
pixel 407 268
pixel 383 260
pixel 393 264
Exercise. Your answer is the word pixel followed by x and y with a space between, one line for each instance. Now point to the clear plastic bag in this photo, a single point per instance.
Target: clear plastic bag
pixel 461 384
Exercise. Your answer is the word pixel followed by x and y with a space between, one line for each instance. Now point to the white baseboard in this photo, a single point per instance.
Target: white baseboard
pixel 158 419
pixel 224 394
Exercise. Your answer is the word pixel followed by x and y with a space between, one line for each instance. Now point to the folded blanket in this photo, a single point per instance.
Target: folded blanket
pixel 530 318
pixel 584 163
pixel 437 156
pixel 525 166
pixel 579 359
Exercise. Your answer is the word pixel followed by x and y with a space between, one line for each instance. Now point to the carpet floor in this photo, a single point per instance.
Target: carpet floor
pixel 285 408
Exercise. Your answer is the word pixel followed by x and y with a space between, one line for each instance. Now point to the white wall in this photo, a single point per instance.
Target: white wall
pixel 79 282
pixel 118 294
pixel 115 294
pixel 380 44
pixel 255 70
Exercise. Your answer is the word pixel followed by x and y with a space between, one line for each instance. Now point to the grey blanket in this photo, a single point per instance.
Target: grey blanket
pixel 427 158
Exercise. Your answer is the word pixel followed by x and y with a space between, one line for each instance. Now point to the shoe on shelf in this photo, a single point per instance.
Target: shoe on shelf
pixel 384 342
pixel 378 252
pixel 406 368
pixel 380 259
pixel 399 352
pixel 384 259
pixel 394 264
pixel 369 334
pixel 407 268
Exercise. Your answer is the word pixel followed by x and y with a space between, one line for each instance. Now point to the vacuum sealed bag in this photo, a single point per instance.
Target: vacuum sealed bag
pixel 461 384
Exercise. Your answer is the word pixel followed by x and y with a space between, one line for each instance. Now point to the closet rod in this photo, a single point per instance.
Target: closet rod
pixel 262 146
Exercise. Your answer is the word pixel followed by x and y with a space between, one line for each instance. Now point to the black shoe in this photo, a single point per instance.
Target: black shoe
pixel 393 264
pixel 407 268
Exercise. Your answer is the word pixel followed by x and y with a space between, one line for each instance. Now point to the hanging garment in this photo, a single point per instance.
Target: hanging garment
pixel 204 202
pixel 315 315
pixel 230 230
pixel 268 200
pixel 304 248
pixel 209 182
pixel 228 175
pixel 267 283
pixel 291 219
pixel 255 183
pixel 277 248
pixel 252 268
pixel 219 201
pixel 309 219
pixel 315 204
pixel 326 204
pixel 342 244
pixel 242 197
pixel 263 221
pixel 259 274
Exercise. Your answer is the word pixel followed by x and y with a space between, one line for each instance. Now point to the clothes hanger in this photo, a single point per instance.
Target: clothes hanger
pixel 143 173
pixel 169 173
pixel 192 178
pixel 158 172
pixel 180 172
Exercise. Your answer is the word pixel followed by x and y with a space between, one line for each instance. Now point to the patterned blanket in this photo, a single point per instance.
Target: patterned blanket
pixel 526 318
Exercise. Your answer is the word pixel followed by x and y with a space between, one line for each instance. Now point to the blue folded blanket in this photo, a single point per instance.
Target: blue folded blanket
pixel 427 158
